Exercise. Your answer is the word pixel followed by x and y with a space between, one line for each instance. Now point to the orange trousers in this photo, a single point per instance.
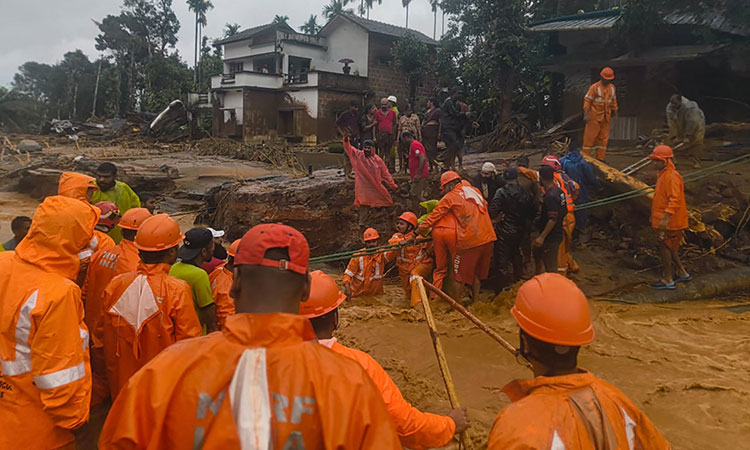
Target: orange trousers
pixel 565 261
pixel 423 269
pixel 444 241
pixel 596 138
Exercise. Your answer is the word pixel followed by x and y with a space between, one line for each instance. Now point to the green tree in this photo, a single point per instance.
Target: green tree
pixel 311 26
pixel 405 4
pixel 200 8
pixel 277 19
pixel 19 112
pixel 366 6
pixel 230 29
pixel 491 55
pixel 411 56
pixel 336 7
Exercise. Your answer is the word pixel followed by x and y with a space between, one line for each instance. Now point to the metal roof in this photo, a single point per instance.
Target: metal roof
pixel 713 19
pixel 667 54
pixel 598 20
pixel 250 32
pixel 595 20
pixel 373 26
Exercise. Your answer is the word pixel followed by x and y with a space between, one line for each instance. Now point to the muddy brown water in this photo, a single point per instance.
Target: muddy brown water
pixel 686 365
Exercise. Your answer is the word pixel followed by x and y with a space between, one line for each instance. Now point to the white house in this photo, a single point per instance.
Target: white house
pixel 278 82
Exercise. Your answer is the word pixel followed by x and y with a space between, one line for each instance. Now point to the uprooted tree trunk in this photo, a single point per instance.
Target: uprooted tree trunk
pixel 622 183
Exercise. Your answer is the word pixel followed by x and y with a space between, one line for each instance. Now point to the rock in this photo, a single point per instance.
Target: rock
pixel 28 146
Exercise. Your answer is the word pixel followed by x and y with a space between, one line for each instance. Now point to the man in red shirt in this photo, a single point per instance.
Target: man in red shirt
pixel 385 118
pixel 419 169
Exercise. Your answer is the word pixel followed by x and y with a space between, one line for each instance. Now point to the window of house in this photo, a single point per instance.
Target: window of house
pixel 236 67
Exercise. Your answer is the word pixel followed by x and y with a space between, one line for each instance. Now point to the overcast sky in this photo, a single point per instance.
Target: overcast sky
pixel 43 30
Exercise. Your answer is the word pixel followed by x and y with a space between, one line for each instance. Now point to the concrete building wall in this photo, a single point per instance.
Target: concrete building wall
pixel 308 98
pixel 241 49
pixel 233 100
pixel 260 121
pixel 346 40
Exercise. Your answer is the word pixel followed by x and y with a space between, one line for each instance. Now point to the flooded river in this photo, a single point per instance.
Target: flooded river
pixel 686 365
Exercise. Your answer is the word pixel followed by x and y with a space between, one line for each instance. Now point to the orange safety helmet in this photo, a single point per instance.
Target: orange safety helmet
pixel 233 248
pixel 551 308
pixel 370 234
pixel 133 218
pixel 447 177
pixel 157 233
pixel 324 296
pixel 662 152
pixel 410 218
pixel 608 74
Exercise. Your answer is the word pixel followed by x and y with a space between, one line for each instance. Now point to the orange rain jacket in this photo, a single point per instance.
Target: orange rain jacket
pixel 408 258
pixel 572 412
pixel 104 265
pixel 474 225
pixel 416 429
pixel 600 101
pixel 147 311
pixel 221 282
pixel 206 392
pixel 365 273
pixel 669 197
pixel 45 379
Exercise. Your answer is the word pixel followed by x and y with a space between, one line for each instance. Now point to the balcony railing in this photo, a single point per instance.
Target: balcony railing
pixel 247 79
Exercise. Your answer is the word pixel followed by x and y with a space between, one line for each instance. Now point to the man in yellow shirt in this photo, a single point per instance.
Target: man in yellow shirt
pixel 117 192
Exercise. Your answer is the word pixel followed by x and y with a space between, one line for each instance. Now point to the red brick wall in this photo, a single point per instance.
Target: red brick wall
pixel 330 104
pixel 385 80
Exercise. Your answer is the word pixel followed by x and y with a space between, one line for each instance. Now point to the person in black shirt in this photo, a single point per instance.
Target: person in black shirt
pixel 511 209
pixel 550 223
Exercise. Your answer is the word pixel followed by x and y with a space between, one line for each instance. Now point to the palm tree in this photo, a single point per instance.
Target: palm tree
pixel 369 4
pixel 434 5
pixel 405 3
pixel 311 26
pixel 336 7
pixel 230 29
pixel 200 7
pixel 277 19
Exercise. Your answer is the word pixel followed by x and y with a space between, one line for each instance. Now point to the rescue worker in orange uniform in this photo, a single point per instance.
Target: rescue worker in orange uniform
pixel 474 230
pixel 565 261
pixel 105 265
pixel 221 282
pixel 564 407
pixel 599 104
pixel 416 429
pixel 364 274
pixel 263 381
pixel 45 378
pixel 81 187
pixel 147 310
pixel 413 259
pixel 669 217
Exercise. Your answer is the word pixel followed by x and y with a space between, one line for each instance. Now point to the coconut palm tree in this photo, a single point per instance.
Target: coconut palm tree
pixel 336 7
pixel 311 26
pixel 405 3
pixel 368 4
pixel 200 7
pixel 230 29
pixel 434 5
pixel 280 19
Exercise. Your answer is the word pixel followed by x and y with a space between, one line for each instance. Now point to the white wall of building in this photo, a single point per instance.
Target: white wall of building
pixel 345 40
pixel 317 55
pixel 233 100
pixel 240 49
pixel 308 97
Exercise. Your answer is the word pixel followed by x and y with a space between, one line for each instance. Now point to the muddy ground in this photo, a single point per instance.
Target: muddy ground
pixel 685 364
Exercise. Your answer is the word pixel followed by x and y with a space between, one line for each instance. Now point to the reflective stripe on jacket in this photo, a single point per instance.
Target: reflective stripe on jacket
pixel 365 273
pixel 572 412
pixel 45 378
pixel 600 101
pixel 262 382
pixel 145 312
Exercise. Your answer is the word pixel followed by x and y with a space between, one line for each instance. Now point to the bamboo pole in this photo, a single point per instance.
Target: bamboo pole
pixel 481 325
pixel 464 440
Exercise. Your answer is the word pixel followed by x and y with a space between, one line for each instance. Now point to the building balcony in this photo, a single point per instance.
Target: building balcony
pixel 327 80
pixel 247 79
